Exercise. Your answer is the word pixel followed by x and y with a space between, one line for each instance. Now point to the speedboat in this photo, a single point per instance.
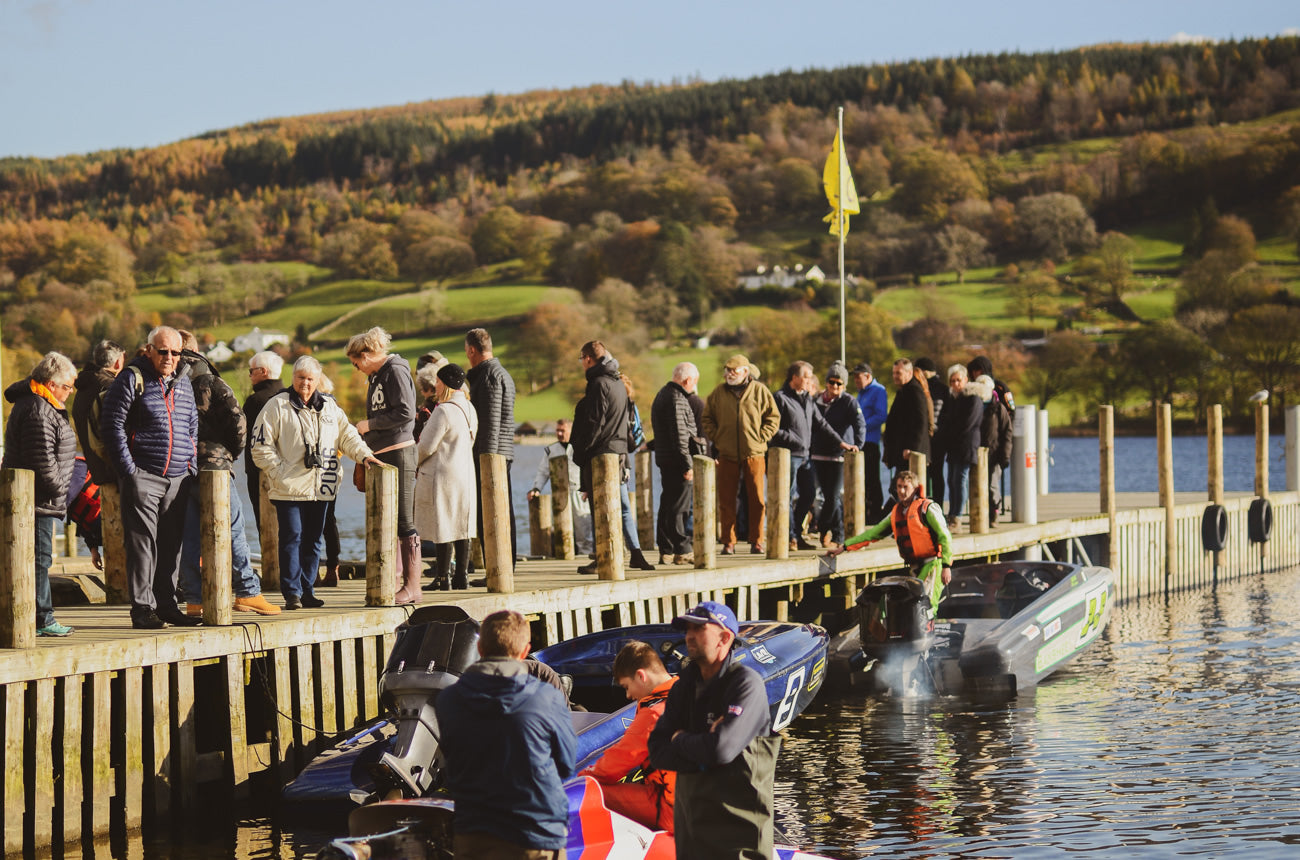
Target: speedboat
pixel 998 629
pixel 420 829
pixel 396 755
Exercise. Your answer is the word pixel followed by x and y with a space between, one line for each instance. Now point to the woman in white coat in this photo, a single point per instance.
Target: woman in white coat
pixel 446 510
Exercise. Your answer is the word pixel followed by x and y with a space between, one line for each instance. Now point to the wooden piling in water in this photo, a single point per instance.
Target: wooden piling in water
pixel 17 558
pixel 705 540
pixel 1165 473
pixel 1106 467
pixel 540 525
pixel 607 515
pixel 269 534
pixel 1261 450
pixel 855 493
pixel 113 552
pixel 778 503
pixel 645 504
pixel 978 505
pixel 561 509
pixel 214 547
pixel 381 535
pixel 498 559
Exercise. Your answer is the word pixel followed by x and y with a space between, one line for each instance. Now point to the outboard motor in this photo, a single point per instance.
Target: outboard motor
pixel 895 627
pixel 434 646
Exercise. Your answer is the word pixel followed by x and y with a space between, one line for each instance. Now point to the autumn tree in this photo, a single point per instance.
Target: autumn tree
pixel 929 180
pixel 1107 273
pixel 1264 341
pixel 956 248
pixel 549 339
pixel 496 235
pixel 438 258
pixel 1054 225
pixel 359 249
pixel 1033 294
pixel 1063 366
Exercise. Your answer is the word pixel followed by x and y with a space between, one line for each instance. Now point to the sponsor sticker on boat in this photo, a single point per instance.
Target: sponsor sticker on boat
pixel 762 655
pixel 1052 628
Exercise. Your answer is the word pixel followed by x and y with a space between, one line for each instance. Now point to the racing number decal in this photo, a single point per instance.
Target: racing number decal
pixel 785 711
pixel 329 475
pixel 1096 608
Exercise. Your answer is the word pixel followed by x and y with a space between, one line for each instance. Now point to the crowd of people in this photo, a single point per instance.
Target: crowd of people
pixel 148 422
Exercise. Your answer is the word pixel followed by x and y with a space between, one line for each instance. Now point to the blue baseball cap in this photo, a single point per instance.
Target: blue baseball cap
pixel 710 611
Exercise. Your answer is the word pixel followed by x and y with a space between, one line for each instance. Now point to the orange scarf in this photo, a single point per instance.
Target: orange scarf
pixel 39 389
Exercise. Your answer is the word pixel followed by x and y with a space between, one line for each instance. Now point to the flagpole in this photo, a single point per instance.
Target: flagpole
pixel 839 210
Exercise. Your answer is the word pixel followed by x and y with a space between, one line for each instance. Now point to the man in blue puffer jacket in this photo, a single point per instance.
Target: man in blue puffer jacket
pixel 509 745
pixel 150 430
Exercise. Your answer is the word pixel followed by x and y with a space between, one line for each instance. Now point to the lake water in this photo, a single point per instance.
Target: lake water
pixel 1173 737
pixel 1072 468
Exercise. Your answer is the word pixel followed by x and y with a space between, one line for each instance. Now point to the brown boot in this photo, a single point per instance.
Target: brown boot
pixel 408 549
pixel 330 578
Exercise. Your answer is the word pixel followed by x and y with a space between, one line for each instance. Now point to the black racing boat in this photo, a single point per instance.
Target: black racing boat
pixel 998 629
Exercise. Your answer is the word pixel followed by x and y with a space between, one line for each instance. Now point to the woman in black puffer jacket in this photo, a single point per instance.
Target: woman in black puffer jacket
pixel 38 437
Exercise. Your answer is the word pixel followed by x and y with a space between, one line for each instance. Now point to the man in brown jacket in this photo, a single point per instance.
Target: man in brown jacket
pixel 740 418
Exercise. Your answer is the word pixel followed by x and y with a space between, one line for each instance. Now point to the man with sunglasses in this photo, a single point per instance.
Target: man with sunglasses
pixel 150 429
pixel 715 733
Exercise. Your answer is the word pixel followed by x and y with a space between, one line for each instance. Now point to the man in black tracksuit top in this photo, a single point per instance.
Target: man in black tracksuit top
pixel 715 733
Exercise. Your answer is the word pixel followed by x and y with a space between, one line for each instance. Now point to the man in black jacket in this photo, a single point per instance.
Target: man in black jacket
pixel 264 370
pixel 907 428
pixel 715 733
pixel 492 394
pixel 673 422
pixel 106 362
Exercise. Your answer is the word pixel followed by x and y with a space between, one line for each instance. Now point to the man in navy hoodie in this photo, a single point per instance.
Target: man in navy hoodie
pixel 150 430
pixel 508 743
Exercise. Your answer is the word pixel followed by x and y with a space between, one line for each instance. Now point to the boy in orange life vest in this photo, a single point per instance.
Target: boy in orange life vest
pixel 918 525
pixel 641 674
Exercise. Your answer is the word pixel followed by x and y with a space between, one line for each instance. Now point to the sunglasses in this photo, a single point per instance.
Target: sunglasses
pixel 834 383
pixel 175 353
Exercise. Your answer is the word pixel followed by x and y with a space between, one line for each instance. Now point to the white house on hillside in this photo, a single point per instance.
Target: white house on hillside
pixel 258 340
pixel 219 352
pixel 781 276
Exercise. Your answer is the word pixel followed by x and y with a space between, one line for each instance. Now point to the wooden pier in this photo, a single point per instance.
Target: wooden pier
pixel 113 728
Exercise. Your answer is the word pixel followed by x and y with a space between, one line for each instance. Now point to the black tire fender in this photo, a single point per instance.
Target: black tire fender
pixel 1259 521
pixel 1214 528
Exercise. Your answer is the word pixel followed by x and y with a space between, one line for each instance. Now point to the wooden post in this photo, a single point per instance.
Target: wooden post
pixel 17 564
pixel 855 493
pixel 778 503
pixel 916 463
pixel 1214 456
pixel 214 546
pixel 1261 450
pixel 381 535
pixel 113 552
pixel 498 560
pixel 978 497
pixel 540 528
pixel 645 504
pixel 1165 470
pixel 269 537
pixel 1106 460
pixel 705 540
pixel 607 516
pixel 561 509
pixel 1292 448
pixel 70 538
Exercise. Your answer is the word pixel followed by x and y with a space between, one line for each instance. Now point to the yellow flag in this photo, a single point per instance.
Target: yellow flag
pixel 837 165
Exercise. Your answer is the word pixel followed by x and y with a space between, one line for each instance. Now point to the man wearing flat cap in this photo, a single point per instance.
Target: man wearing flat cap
pixel 740 418
pixel 715 733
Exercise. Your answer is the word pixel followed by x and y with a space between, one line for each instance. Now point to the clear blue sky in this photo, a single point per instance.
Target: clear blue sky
pixel 82 75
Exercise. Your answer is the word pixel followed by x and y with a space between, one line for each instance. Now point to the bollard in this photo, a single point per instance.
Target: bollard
pixel 1261 450
pixel 1165 476
pixel 214 547
pixel 778 503
pixel 645 503
pixel 855 493
pixel 916 463
pixel 1106 478
pixel 1293 448
pixel 113 552
pixel 1214 454
pixel 269 536
pixel 498 560
pixel 381 535
pixel 540 524
pixel 17 563
pixel 705 539
pixel 70 538
pixel 1024 459
pixel 1044 452
pixel 561 509
pixel 979 493
pixel 607 515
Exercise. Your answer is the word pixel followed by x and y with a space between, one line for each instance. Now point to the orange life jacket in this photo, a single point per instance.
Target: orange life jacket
pixel 916 543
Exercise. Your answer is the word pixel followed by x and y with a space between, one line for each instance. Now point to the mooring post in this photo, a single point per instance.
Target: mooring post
pixel 916 463
pixel 214 547
pixel 1293 448
pixel 1165 471
pixel 540 524
pixel 561 509
pixel 268 534
pixel 498 560
pixel 705 540
pixel 778 502
pixel 1044 452
pixel 855 493
pixel 17 564
pixel 113 552
pixel 70 537
pixel 607 516
pixel 1214 454
pixel 1024 463
pixel 381 535
pixel 979 492
pixel 1261 450
pixel 1106 463
pixel 645 502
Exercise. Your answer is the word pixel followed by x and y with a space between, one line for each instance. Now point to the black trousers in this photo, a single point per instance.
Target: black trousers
pixel 676 498
pixel 875 498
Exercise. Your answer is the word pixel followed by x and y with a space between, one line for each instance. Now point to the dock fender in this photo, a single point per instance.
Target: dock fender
pixel 1214 528
pixel 1259 521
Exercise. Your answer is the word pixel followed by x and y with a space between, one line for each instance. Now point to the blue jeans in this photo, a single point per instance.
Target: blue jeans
pixel 629 520
pixel 830 479
pixel 803 489
pixel 244 581
pixel 302 539
pixel 958 488
pixel 44 558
